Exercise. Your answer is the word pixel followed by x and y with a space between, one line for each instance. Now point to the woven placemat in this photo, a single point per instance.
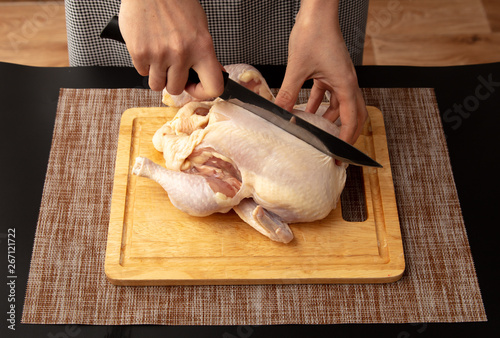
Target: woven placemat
pixel 67 283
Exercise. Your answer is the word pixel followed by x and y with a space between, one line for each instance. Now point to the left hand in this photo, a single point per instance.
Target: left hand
pixel 317 51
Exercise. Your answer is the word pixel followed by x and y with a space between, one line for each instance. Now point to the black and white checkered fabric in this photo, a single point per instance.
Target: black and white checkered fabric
pixel 255 32
pixel 84 23
pixel 243 31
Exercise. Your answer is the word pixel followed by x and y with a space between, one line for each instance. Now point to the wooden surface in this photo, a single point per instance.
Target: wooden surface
pixel 33 33
pixel 433 33
pixel 399 32
pixel 150 242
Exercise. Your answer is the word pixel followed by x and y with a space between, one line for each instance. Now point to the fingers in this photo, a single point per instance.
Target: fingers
pixel 286 98
pixel 211 81
pixel 141 67
pixel 353 115
pixel 290 88
pixel 157 77
pixel 150 64
pixel 349 106
pixel 172 73
pixel 315 99
pixel 177 76
pixel 362 116
pixel 174 79
pixel 333 111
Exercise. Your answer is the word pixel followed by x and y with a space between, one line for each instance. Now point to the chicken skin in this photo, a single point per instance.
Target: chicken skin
pixel 219 157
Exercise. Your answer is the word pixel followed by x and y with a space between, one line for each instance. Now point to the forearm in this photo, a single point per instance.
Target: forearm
pixel 320 18
pixel 319 10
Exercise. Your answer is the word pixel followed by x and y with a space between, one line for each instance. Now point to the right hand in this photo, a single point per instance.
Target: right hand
pixel 165 39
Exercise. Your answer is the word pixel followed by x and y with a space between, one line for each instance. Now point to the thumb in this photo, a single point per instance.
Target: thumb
pixel 289 91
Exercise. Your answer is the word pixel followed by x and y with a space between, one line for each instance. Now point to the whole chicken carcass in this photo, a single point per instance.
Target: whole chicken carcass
pixel 219 157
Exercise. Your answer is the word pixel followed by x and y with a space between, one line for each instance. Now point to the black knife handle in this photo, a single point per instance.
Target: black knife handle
pixel 112 31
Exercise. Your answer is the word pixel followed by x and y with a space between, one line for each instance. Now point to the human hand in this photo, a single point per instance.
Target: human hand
pixel 317 51
pixel 165 39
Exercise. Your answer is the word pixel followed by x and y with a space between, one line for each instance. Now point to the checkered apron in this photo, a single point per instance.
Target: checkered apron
pixel 243 31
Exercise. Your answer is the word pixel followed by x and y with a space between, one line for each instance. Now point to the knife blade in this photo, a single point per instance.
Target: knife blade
pixel 256 104
pixel 307 132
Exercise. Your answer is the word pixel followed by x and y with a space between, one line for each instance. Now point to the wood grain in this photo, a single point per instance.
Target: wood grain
pixel 436 50
pixel 369 52
pixel 492 9
pixel 431 33
pixel 424 17
pixel 33 34
pixel 150 242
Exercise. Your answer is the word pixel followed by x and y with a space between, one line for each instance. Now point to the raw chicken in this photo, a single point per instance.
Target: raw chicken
pixel 220 157
pixel 244 74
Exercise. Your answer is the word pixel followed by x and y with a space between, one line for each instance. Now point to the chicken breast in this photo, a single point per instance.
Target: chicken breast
pixel 219 157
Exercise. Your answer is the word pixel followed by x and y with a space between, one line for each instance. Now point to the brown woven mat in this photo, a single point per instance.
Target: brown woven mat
pixel 67 282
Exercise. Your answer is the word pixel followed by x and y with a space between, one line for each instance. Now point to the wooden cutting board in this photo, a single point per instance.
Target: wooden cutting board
pixel 150 242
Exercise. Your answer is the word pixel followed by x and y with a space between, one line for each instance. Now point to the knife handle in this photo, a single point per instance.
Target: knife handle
pixel 112 31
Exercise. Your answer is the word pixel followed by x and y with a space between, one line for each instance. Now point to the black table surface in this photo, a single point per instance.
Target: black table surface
pixel 468 99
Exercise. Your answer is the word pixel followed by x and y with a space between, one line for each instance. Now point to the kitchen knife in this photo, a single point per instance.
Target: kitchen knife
pixel 247 99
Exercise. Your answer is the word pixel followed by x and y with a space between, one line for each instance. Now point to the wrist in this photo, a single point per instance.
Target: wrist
pixel 319 6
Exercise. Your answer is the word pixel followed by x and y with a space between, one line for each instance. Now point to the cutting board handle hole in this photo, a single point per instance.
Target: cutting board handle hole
pixel 353 198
